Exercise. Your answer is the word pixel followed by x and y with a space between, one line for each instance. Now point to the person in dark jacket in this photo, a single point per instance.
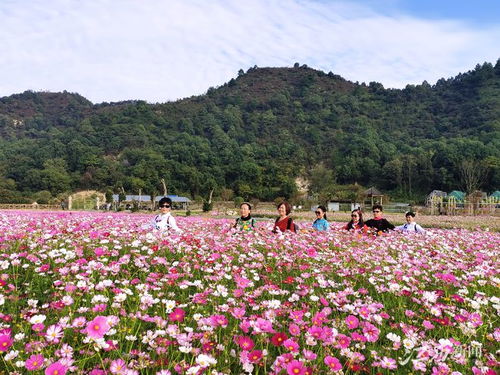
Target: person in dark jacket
pixel 378 223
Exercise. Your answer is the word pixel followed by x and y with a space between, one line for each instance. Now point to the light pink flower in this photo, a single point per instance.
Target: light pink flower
pixel 118 366
pixel 97 327
pixel 54 333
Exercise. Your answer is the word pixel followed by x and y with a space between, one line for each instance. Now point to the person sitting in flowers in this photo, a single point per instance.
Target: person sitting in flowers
pixel 356 222
pixel 378 223
pixel 246 222
pixel 284 222
pixel 164 221
pixel 411 226
pixel 321 223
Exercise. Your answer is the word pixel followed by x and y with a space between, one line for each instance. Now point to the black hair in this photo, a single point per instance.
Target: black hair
pixel 410 213
pixel 164 200
pixel 377 206
pixel 248 204
pixel 361 223
pixel 323 208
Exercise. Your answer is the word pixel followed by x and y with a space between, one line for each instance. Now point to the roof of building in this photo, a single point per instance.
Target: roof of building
pixel 438 193
pixel 458 195
pixel 373 191
pixel 147 198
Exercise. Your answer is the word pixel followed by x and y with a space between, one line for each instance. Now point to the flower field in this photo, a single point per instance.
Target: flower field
pixel 93 293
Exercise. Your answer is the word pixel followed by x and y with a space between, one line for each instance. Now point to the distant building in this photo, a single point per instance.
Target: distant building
pixel 459 196
pixel 143 200
pixel 436 196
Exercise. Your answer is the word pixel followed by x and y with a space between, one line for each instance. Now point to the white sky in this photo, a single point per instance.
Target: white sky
pixel 161 50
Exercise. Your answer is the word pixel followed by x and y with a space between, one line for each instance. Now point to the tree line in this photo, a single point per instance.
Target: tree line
pixel 253 136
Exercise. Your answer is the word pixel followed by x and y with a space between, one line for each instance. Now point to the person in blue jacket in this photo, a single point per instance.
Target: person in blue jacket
pixel 321 222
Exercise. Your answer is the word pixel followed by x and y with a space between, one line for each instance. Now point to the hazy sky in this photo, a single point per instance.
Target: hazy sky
pixel 161 50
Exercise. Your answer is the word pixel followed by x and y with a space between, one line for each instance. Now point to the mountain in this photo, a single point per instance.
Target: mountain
pixel 256 134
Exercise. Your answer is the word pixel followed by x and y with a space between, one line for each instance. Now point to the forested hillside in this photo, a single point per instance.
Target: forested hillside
pixel 255 135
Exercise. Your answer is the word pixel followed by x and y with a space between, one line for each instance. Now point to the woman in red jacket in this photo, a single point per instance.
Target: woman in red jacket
pixel 284 222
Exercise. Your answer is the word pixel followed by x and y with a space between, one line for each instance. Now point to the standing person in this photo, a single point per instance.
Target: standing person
pixel 246 222
pixel 411 226
pixel 164 221
pixel 356 222
pixel 378 222
pixel 284 222
pixel 321 223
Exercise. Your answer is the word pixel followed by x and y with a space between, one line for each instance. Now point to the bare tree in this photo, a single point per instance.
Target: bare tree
pixel 164 187
pixel 473 174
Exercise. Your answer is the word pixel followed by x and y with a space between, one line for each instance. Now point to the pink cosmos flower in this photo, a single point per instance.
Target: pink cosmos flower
pixel 255 356
pixel 294 329
pixel 264 325
pixel 333 363
pixel 475 320
pixel 295 368
pixel 352 322
pixel 291 345
pixel 56 368
pixel 241 282
pixel 99 307
pixel 371 332
pixel 219 320
pixel 238 312
pixel 79 322
pixel 54 333
pixel 442 369
pixel 427 324
pixel 34 362
pixel 177 315
pixel 309 355
pixel 38 327
pixel 118 366
pixel 319 318
pixel 245 342
pixel 389 363
pixel 343 341
pixel 5 342
pixel 97 327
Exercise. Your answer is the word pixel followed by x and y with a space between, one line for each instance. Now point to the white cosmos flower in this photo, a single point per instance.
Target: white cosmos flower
pixel 37 319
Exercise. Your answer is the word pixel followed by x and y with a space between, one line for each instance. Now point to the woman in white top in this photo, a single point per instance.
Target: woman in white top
pixel 411 226
pixel 164 221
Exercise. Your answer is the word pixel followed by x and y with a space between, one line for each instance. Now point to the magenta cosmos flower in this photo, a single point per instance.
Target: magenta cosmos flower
pixel 352 322
pixel 245 342
pixel 5 342
pixel 333 363
pixel 295 368
pixel 98 327
pixel 57 368
pixel 34 362
pixel 177 315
